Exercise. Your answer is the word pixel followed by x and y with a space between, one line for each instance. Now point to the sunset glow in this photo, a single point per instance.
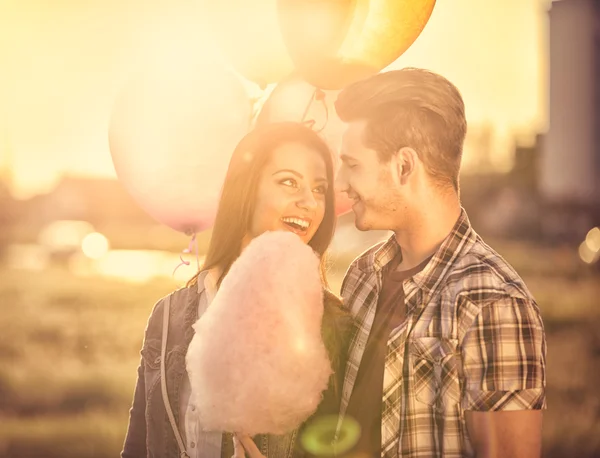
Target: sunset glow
pixel 64 62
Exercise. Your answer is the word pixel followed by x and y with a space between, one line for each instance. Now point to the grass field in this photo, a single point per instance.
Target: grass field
pixel 69 348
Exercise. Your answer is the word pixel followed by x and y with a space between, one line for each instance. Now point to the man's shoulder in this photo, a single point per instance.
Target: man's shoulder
pixel 355 274
pixel 482 274
pixel 366 258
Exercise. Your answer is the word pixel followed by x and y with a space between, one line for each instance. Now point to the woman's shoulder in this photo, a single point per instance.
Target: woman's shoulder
pixel 331 299
pixel 177 299
pixel 334 309
pixel 337 323
pixel 178 302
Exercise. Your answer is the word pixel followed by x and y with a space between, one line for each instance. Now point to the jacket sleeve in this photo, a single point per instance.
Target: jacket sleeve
pixel 135 440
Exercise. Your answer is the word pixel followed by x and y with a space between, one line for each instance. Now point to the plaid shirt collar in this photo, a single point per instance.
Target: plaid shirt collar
pixel 459 241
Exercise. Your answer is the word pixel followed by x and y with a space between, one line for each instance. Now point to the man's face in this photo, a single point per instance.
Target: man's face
pixel 368 182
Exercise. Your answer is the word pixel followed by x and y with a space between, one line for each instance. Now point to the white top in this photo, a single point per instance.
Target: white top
pixel 198 443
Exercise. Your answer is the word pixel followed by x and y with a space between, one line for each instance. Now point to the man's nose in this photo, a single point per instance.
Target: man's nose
pixel 341 181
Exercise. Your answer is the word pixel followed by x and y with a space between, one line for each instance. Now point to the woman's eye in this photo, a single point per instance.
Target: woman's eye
pixel 321 189
pixel 289 182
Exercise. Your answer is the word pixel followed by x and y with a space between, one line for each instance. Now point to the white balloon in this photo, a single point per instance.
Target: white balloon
pixel 172 132
pixel 294 100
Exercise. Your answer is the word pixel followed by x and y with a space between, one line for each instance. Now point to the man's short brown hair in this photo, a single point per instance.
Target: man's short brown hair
pixel 412 108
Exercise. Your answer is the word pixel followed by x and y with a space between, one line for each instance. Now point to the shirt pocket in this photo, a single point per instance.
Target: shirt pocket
pixel 435 366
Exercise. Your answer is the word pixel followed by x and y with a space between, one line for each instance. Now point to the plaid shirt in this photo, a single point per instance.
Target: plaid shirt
pixel 473 339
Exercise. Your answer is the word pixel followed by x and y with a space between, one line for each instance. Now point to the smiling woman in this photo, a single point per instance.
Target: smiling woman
pixel 280 179
pixel 291 192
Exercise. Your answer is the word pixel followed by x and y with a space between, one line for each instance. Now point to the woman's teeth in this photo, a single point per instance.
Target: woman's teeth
pixel 296 224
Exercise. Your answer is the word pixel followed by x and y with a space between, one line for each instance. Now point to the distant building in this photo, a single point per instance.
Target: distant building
pixel 478 149
pixel 569 180
pixel 98 201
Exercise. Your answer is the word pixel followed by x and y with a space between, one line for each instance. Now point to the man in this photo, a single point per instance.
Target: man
pixel 448 359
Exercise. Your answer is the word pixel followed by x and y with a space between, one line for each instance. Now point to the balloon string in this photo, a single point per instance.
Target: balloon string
pixel 257 104
pixel 310 102
pixel 319 96
pixel 193 243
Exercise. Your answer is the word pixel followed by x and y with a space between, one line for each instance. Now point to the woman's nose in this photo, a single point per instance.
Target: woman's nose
pixel 306 199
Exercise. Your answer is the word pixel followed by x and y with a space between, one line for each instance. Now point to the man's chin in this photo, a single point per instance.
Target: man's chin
pixel 363 218
pixel 360 223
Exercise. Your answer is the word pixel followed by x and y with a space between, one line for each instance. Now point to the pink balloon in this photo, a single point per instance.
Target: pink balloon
pixel 296 100
pixel 172 132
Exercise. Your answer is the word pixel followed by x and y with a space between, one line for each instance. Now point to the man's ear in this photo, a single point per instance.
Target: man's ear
pixel 403 163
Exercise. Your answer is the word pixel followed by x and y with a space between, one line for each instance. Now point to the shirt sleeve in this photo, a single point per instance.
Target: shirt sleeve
pixel 504 358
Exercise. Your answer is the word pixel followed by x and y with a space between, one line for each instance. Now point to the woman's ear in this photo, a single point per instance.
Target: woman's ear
pixel 403 163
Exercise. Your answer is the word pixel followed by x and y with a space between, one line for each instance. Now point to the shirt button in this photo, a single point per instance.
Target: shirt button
pixel 193 444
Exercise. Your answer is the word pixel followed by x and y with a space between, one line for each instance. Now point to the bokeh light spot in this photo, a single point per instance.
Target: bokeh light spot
pixel 318 436
pixel 586 255
pixel 95 245
pixel 592 240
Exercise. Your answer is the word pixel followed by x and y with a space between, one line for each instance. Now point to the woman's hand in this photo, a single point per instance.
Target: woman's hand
pixel 243 445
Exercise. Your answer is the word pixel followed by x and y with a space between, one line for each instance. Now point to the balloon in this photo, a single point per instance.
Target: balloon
pixel 248 33
pixel 172 132
pixel 377 32
pixel 296 100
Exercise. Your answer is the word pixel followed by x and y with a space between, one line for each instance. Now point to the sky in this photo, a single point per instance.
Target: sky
pixel 63 62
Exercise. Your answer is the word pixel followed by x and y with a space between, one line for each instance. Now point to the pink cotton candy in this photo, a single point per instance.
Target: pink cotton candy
pixel 257 363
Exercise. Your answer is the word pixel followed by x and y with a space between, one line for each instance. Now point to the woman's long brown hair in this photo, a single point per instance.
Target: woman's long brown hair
pixel 238 196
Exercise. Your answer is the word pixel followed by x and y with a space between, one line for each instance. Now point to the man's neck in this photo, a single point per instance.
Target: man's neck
pixel 429 226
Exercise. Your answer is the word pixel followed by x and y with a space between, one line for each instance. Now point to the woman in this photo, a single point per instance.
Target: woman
pixel 280 177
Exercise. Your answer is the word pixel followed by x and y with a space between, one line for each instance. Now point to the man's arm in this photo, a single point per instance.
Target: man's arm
pixel 504 360
pixel 509 434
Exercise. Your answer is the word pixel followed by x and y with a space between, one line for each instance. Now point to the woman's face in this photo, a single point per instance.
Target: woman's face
pixel 291 192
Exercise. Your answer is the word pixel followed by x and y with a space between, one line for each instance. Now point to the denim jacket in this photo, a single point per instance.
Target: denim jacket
pixel 150 434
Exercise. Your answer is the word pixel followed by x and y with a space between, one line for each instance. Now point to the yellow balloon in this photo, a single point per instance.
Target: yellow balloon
pixel 377 32
pixel 248 33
